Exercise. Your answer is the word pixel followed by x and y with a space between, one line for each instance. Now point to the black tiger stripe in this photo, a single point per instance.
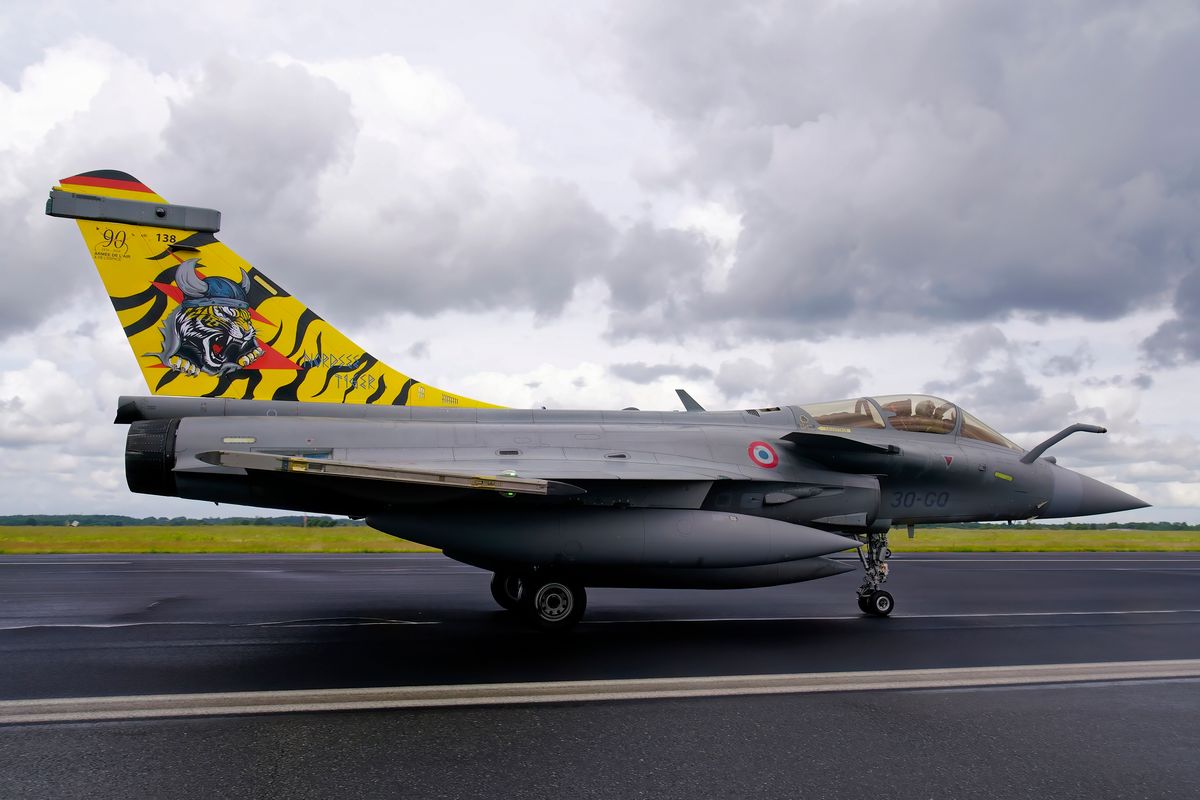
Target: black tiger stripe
pixel 150 318
pixel 275 338
pixel 252 383
pixel 307 317
pixel 165 379
pixel 145 295
pixel 225 381
pixel 378 393
pixel 289 390
pixel 353 384
pixel 365 358
pixel 402 398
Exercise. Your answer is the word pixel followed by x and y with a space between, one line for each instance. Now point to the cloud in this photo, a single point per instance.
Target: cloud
pixel 651 262
pixel 641 372
pixel 912 169
pixel 1177 340
pixel 367 183
pixel 1006 399
pixel 33 405
pixel 396 196
pixel 1070 363
pixel 256 138
pixel 790 376
pixel 81 105
pixel 990 381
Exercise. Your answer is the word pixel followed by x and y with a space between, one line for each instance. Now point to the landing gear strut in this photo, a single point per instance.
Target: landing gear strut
pixel 506 590
pixel 871 599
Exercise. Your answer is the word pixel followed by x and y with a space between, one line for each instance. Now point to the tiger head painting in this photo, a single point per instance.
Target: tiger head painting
pixel 211 331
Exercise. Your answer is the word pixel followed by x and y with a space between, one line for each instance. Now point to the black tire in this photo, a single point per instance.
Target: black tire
pixel 506 590
pixel 864 603
pixel 552 604
pixel 880 604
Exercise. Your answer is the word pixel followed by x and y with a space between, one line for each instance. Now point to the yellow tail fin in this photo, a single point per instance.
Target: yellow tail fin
pixel 204 323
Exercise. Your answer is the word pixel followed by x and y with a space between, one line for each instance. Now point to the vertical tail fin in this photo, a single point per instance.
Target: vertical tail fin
pixel 204 323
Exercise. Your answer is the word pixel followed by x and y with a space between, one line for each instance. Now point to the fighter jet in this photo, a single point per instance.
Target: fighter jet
pixel 256 400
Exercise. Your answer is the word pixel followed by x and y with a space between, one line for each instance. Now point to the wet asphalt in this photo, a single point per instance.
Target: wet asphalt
pixel 81 626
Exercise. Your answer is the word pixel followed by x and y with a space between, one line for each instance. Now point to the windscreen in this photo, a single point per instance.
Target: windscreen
pixel 972 428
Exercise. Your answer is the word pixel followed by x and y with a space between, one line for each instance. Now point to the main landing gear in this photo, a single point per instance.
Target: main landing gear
pixel 506 590
pixel 546 601
pixel 871 599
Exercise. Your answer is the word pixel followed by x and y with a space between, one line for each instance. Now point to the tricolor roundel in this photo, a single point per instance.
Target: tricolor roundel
pixel 763 455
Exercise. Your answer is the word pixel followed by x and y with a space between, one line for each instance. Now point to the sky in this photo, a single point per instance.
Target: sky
pixel 587 205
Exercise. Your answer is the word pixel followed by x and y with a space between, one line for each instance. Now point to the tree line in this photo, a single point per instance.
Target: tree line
pixel 116 520
pixel 295 520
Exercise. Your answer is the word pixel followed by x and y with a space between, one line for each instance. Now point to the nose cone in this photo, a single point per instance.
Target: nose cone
pixel 1076 495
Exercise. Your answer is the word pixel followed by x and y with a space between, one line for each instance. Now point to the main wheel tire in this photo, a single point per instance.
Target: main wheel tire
pixel 506 590
pixel 880 604
pixel 864 603
pixel 552 604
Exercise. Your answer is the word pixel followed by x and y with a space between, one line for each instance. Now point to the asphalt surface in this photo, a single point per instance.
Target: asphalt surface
pixel 83 626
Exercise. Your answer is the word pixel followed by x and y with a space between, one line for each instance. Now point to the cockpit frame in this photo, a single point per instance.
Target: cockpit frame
pixel 912 413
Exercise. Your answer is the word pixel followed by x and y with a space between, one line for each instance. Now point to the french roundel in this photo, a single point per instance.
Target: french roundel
pixel 763 454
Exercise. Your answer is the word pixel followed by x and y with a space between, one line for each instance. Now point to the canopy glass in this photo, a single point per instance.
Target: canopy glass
pixel 919 413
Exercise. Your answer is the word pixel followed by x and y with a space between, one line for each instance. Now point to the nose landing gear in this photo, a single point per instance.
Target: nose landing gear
pixel 872 599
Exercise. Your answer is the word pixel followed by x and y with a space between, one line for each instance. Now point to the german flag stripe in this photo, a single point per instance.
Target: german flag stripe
pixel 107 183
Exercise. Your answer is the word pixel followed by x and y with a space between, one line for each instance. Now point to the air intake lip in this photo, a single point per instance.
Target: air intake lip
pixel 150 457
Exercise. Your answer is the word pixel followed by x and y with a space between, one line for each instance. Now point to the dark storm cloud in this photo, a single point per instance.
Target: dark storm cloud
pixel 1178 340
pixel 903 166
pixel 651 263
pixel 641 372
pixel 258 136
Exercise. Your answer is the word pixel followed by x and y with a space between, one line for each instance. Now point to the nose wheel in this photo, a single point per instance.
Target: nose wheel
pixel 877 604
pixel 874 555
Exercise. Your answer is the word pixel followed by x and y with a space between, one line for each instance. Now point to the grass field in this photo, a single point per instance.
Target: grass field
pixel 270 539
pixel 201 539
pixel 931 540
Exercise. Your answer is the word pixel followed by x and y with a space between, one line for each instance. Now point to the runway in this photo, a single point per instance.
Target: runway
pixel 132 626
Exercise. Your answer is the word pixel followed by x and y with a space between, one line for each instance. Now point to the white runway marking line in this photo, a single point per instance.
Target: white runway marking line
pixel 1102 559
pixel 897 616
pixel 57 563
pixel 346 623
pixel 284 623
pixel 91 709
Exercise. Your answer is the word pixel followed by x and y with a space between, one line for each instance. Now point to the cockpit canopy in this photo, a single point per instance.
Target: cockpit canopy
pixel 918 413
